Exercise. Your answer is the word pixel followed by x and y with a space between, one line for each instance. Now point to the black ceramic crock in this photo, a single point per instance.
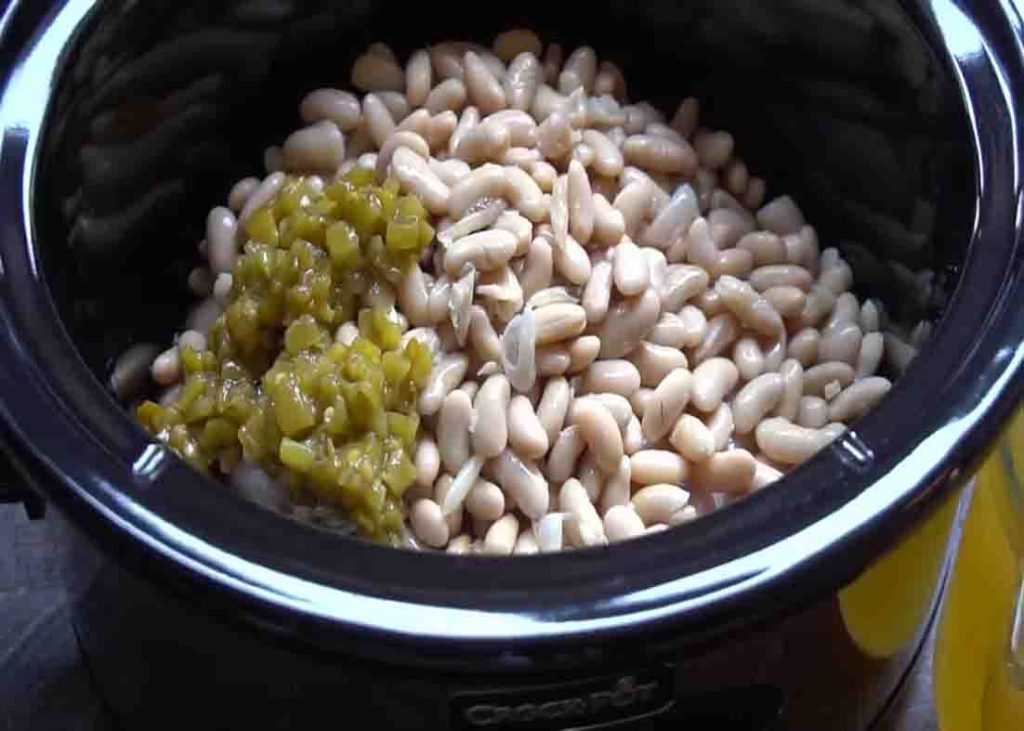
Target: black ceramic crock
pixel 895 126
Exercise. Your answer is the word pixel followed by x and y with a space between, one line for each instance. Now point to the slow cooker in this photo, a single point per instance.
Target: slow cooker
pixel 895 124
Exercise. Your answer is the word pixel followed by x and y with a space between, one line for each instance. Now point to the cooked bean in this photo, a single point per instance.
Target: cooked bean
pixel 621 522
pixel 450 94
pixel 792 374
pixel 523 483
pixel 655 466
pixel 559 322
pixel 870 355
pixel 656 503
pixel 766 248
pixel 240 193
pixel 803 347
pixel 379 123
pixel 407 139
pixel 781 216
pixel 582 352
pixel 755 400
pixel 590 476
pixel 611 376
pixel 659 154
pixel 682 283
pixel 617 486
pixel 727 227
pixel 812 412
pixel 631 272
pixel 584 526
pixel 524 193
pixel 712 380
pixel 340 107
pixel 501 536
pixel 634 202
pixel 749 358
pixel 601 433
pixel 780 275
pixel 870 317
pixel 721 426
pixel 655 362
pixel 427 459
pixel 166 367
pixel 786 442
pixel 731 472
pixel 837 279
pixel 553 407
pixel 522 80
pixel 685 119
pixel 544 174
pixel 627 323
pixel 487 141
pixel 608 159
pixel 752 309
pixel 454 423
pixel 817 377
pixel 526 544
pixel 666 403
pixel 820 302
pixel 714 149
pixel 580 202
pixel 485 250
pixel 764 475
pixel 221 230
pixel 490 430
pixel 787 301
pixel 669 331
pixel 572 261
pixel 695 325
pixel 597 293
pixel 447 373
pixel 428 524
pixel 692 438
pixel 264 193
pixel 418 77
pixel 526 434
pixel 858 398
pixel 618 406
pixel 483 88
pixel 549 532
pixel 840 341
pixel 722 331
pixel 565 450
pixel 416 177
pixel 831 432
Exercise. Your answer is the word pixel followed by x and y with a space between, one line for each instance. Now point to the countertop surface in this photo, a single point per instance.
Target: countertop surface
pixel 45 687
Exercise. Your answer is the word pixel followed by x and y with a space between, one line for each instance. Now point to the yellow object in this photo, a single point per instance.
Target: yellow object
pixel 888 604
pixel 974 687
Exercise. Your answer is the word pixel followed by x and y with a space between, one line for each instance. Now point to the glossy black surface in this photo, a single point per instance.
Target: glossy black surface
pixel 907 160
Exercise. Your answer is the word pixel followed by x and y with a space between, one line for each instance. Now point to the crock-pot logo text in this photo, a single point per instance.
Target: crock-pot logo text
pixel 590 703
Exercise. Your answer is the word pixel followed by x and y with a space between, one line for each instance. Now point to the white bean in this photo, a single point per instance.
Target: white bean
pixel 870 355
pixel 611 376
pixel 415 176
pixel 731 472
pixel 660 155
pixel 692 438
pixel 490 430
pixel 501 536
pixel 656 503
pixel 621 522
pixel 583 351
pixel 524 193
pixel 601 433
pixel 781 275
pixel 630 272
pixel 655 362
pixel 840 341
pixel 450 94
pixel 455 421
pixel 755 400
pixel 669 398
pixel 655 466
pixel 792 374
pixel 560 321
pixel 221 230
pixel 523 482
pixel 817 377
pixel 487 181
pixel 572 261
pixel 781 216
pixel 526 544
pixel 812 412
pixel 447 373
pixel 427 459
pixel 264 193
pixel 858 398
pixel 483 88
pixel 722 331
pixel 522 80
pixel 786 442
pixel 526 434
pixel 627 323
pixel 580 200
pixel 428 524
pixel 340 107
pixel 584 526
pixel 714 149
pixel 485 250
pixel 487 141
pixel 565 451
pixel 749 358
pixel 712 380
pixel 804 347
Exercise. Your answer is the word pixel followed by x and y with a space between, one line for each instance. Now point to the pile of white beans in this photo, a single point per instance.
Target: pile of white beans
pixel 625 334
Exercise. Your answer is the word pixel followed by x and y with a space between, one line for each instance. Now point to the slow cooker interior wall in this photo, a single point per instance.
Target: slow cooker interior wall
pixel 163 104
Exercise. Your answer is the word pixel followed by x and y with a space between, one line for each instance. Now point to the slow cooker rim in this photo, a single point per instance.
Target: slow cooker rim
pixel 105 437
